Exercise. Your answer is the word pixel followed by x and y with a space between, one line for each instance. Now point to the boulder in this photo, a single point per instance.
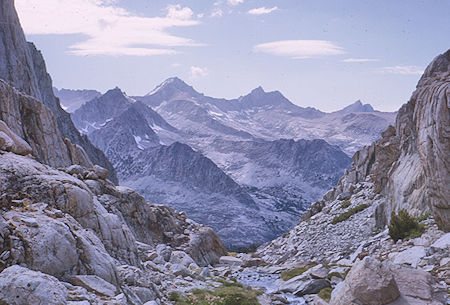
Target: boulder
pixel 417 286
pixel 94 284
pixel 75 169
pixel 294 284
pixel 312 286
pixel 50 246
pixel 205 272
pixel 102 173
pixel 181 258
pixel 319 272
pixel 443 242
pixel 21 286
pixel 369 282
pixel 409 256
pixel 252 262
pixel 180 270
pixel 230 260
pixel 9 141
pixel 205 246
pixel 164 251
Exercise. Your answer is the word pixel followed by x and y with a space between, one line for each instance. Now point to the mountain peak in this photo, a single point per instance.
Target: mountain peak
pixel 173 84
pixel 258 90
pixel 357 106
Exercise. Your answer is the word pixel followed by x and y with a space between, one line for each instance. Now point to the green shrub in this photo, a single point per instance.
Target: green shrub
pixel 174 296
pixel 287 275
pixel 230 295
pixel 325 294
pixel 404 226
pixel 423 217
pixel 348 214
pixel 345 204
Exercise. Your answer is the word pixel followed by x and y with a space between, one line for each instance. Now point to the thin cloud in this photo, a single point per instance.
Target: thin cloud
pixel 217 13
pixel 402 70
pixel 262 10
pixel 110 30
pixel 351 60
pixel 300 49
pixel 197 72
pixel 235 2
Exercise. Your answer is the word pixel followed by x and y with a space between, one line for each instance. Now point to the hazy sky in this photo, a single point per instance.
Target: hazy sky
pixel 324 54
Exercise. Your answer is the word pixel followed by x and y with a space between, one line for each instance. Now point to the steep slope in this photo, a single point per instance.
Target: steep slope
pixel 34 122
pixel 23 67
pixel 100 110
pixel 408 168
pixel 71 100
pixel 69 235
pixel 184 179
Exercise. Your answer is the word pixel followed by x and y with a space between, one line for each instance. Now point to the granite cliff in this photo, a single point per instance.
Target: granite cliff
pixel 23 67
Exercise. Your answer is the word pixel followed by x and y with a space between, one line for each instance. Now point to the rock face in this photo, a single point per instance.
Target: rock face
pixel 100 110
pixel 65 226
pixel 23 67
pixel 406 169
pixel 35 123
pixel 71 224
pixel 410 165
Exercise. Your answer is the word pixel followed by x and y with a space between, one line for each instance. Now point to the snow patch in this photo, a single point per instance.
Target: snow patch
pixel 138 141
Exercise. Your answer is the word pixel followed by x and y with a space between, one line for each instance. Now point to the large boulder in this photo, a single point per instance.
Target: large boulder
pixel 22 286
pixel 9 141
pixel 369 282
pixel 56 246
pixel 417 287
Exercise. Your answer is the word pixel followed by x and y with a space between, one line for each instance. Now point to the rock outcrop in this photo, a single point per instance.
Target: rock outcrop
pixel 35 123
pixel 22 66
pixel 408 168
pixel 409 165
pixel 72 223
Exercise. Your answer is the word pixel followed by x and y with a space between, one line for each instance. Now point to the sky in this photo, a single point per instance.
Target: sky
pixel 322 54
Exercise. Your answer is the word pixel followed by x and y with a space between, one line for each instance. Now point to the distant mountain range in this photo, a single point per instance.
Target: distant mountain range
pixel 71 100
pixel 248 167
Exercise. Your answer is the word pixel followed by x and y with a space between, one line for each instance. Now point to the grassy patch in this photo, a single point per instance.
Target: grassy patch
pixel 325 294
pixel 174 296
pixel 404 226
pixel 230 295
pixel 234 283
pixel 345 204
pixel 348 214
pixel 336 274
pixel 287 275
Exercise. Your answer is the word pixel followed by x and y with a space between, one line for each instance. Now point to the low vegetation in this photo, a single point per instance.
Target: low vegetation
pixel 325 294
pixel 348 214
pixel 287 275
pixel 345 204
pixel 404 226
pixel 336 274
pixel 225 295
